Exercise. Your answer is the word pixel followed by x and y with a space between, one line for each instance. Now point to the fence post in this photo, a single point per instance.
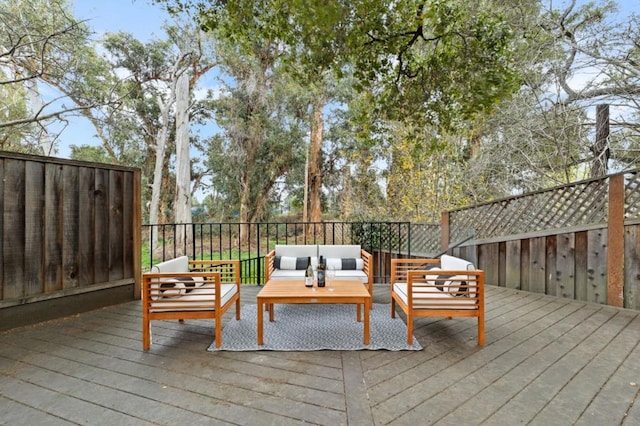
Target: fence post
pixel 193 242
pixel 258 263
pixel 445 231
pixel 615 243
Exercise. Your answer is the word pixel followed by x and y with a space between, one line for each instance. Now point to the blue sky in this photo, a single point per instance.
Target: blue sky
pixel 139 17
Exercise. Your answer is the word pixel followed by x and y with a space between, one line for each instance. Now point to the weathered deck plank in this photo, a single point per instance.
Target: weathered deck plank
pixel 546 361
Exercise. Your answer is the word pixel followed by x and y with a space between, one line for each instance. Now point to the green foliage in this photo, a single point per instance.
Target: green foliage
pixel 372 235
pixel 263 134
pixel 96 154
pixel 427 61
pixel 13 107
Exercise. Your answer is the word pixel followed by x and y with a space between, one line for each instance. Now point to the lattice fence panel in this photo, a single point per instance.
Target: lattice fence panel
pixel 632 195
pixel 425 239
pixel 579 204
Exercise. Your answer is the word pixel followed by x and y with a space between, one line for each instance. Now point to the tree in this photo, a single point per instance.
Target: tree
pixel 603 49
pixel 147 119
pixel 424 62
pixel 571 60
pixel 96 154
pixel 263 135
pixel 42 43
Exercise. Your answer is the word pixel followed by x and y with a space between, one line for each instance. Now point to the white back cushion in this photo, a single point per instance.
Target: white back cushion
pixel 339 251
pixel 179 264
pixel 297 250
pixel 453 263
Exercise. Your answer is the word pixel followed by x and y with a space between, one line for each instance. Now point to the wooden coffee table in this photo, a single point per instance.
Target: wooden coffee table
pixel 294 291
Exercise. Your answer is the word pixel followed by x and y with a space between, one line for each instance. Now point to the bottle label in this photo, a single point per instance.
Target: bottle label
pixel 320 278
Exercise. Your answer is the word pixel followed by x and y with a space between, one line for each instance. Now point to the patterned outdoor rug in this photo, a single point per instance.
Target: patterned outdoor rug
pixel 315 327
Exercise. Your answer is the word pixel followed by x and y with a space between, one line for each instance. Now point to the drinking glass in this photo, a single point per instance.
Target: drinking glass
pixel 331 275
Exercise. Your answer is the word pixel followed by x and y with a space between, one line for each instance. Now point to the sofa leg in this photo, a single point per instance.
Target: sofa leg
pixel 409 329
pixel 218 331
pixel 146 335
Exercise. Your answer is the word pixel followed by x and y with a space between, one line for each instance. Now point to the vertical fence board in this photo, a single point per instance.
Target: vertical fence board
pixel 597 266
pixel 3 283
pixel 581 259
pixel 115 208
pixel 101 214
pixel 488 260
pixel 86 222
pixel 53 229
pixel 33 228
pixel 537 265
pixel 502 266
pixel 13 230
pixel 565 266
pixel 632 267
pixel 525 250
pixel 71 227
pixel 512 264
pixel 128 209
pixel 551 254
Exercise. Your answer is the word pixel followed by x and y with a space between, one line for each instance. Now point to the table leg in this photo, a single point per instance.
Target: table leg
pixel 260 313
pixel 271 315
pixel 358 313
pixel 367 308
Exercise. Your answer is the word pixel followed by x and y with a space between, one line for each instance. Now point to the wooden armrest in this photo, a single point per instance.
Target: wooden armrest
pixel 401 267
pixel 268 264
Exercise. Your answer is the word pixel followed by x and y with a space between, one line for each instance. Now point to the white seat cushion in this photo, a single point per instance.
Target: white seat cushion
pixel 426 297
pixel 353 274
pixel 287 274
pixel 199 299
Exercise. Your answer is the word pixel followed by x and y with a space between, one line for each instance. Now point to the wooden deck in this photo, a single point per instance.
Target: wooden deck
pixel 547 361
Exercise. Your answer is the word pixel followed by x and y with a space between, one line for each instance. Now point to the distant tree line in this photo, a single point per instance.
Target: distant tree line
pixel 359 109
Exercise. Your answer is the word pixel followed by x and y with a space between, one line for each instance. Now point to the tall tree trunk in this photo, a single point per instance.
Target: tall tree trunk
pixel 315 160
pixel 245 197
pixel 600 149
pixel 161 143
pixel 160 150
pixel 345 198
pixel 182 201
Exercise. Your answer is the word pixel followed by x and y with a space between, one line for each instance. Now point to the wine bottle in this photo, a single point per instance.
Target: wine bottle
pixel 308 274
pixel 322 267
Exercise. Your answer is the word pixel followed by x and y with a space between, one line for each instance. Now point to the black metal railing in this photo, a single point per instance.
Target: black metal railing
pixel 250 242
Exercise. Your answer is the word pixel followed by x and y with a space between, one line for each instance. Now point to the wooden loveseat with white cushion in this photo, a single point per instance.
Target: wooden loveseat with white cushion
pixel 445 287
pixel 348 261
pixel 182 289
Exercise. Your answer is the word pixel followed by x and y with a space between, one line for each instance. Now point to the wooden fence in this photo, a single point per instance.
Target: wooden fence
pixel 580 241
pixel 68 228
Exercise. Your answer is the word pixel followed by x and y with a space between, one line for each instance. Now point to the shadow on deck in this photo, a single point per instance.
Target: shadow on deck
pixel 546 361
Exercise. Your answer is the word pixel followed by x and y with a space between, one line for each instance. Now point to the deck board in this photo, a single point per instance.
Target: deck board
pixel 546 360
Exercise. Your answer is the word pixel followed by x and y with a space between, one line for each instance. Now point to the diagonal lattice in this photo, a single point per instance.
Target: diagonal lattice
pixel 579 204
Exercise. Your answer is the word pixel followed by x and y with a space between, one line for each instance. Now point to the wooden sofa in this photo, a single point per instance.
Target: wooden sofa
pixel 182 289
pixel 446 287
pixel 348 261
